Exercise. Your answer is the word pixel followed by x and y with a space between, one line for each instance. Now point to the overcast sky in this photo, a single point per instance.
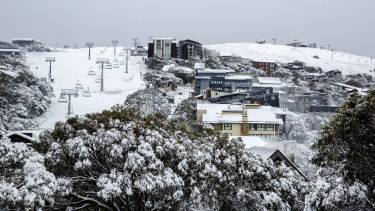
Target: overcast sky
pixel 346 25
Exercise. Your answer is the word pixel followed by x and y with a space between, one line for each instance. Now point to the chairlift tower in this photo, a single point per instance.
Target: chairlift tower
pixel 332 54
pixel 89 44
pixel 127 60
pixel 69 93
pixel 50 60
pixel 274 41
pixel 114 42
pixel 102 61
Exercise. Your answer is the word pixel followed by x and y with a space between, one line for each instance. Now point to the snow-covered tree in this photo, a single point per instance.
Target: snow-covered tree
pixel 118 160
pixel 332 192
pixel 295 128
pixel 347 143
pixel 25 184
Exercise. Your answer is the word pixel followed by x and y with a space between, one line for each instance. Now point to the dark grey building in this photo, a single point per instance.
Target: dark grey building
pixel 189 49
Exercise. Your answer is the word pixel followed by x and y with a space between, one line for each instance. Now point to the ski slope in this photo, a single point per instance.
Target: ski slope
pixel 347 63
pixel 72 65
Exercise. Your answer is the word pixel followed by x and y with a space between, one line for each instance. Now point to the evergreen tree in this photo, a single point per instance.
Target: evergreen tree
pixel 347 143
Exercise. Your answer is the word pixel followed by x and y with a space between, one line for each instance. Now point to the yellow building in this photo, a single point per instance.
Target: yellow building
pixel 243 120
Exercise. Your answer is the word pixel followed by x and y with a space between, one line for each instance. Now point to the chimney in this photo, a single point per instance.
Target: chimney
pixel 244 118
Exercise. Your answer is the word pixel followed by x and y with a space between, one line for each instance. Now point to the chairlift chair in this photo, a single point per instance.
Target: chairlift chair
pixel 91 72
pixel 79 85
pixel 122 62
pixel 98 80
pixel 86 93
pixel 62 99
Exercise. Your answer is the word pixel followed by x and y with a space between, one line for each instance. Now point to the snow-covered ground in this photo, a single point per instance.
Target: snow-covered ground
pixel 72 65
pixel 347 63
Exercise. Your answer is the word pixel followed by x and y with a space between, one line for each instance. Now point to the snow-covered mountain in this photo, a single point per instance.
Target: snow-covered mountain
pixel 72 65
pixel 347 63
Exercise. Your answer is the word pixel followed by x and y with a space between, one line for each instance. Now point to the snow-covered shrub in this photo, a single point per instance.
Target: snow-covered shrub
pixel 331 192
pixel 22 97
pixel 25 184
pixel 163 79
pixel 138 100
pixel 120 160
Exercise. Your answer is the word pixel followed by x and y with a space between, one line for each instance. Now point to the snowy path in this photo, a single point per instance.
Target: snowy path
pixel 72 65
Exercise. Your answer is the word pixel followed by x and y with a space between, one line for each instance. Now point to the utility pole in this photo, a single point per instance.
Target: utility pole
pixel 50 60
pixel 127 60
pixel 295 43
pixel 102 61
pixel 114 42
pixel 274 41
pixel 332 54
pixel 69 93
pixel 89 44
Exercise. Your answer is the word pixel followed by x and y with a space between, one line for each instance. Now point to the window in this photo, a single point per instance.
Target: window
pixel 253 127
pixel 229 134
pixel 261 127
pixel 227 126
pixel 270 127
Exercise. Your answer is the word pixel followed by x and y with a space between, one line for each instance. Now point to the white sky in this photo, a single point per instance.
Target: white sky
pixel 347 25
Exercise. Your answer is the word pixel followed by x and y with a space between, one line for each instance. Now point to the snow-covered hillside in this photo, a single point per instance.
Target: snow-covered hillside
pixel 347 63
pixel 72 65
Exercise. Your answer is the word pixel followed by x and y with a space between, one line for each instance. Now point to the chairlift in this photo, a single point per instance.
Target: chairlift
pixel 122 62
pixel 79 85
pixel 91 72
pixel 86 93
pixel 71 114
pixel 62 99
pixel 98 80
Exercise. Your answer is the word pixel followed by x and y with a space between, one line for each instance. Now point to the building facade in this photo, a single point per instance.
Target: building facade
pixel 243 119
pixel 164 48
pixel 189 49
pixel 269 67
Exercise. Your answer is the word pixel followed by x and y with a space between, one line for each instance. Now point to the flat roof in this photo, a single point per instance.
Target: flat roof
pixel 22 39
pixel 269 80
pixel 215 71
pixel 238 77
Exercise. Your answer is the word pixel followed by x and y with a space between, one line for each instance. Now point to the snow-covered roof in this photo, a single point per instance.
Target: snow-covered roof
pixel 13 74
pixel 257 85
pixel 238 77
pixel 251 141
pixel 261 115
pixel 9 50
pixel 21 135
pixel 22 39
pixel 167 67
pixel 313 74
pixel 269 80
pixel 202 77
pixel 264 152
pixel 168 38
pixel 199 66
pixel 215 71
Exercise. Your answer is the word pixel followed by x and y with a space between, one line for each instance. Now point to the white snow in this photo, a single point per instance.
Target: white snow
pixel 347 63
pixel 13 74
pixel 251 141
pixel 72 65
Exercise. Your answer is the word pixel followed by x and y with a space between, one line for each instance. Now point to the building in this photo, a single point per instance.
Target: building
pixel 165 48
pixel 26 137
pixel 309 101
pixel 243 119
pixel 269 67
pixel 312 77
pixel 333 73
pixel 23 42
pixel 7 48
pixel 189 49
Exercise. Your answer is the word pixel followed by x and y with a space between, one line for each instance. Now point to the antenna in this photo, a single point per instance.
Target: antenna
pixel 102 61
pixel 114 42
pixel 50 60
pixel 69 93
pixel 89 44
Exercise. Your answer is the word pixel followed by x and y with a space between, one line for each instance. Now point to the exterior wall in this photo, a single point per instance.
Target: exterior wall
pixel 236 130
pixel 200 114
pixel 163 48
pixel 188 49
pixel 268 67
